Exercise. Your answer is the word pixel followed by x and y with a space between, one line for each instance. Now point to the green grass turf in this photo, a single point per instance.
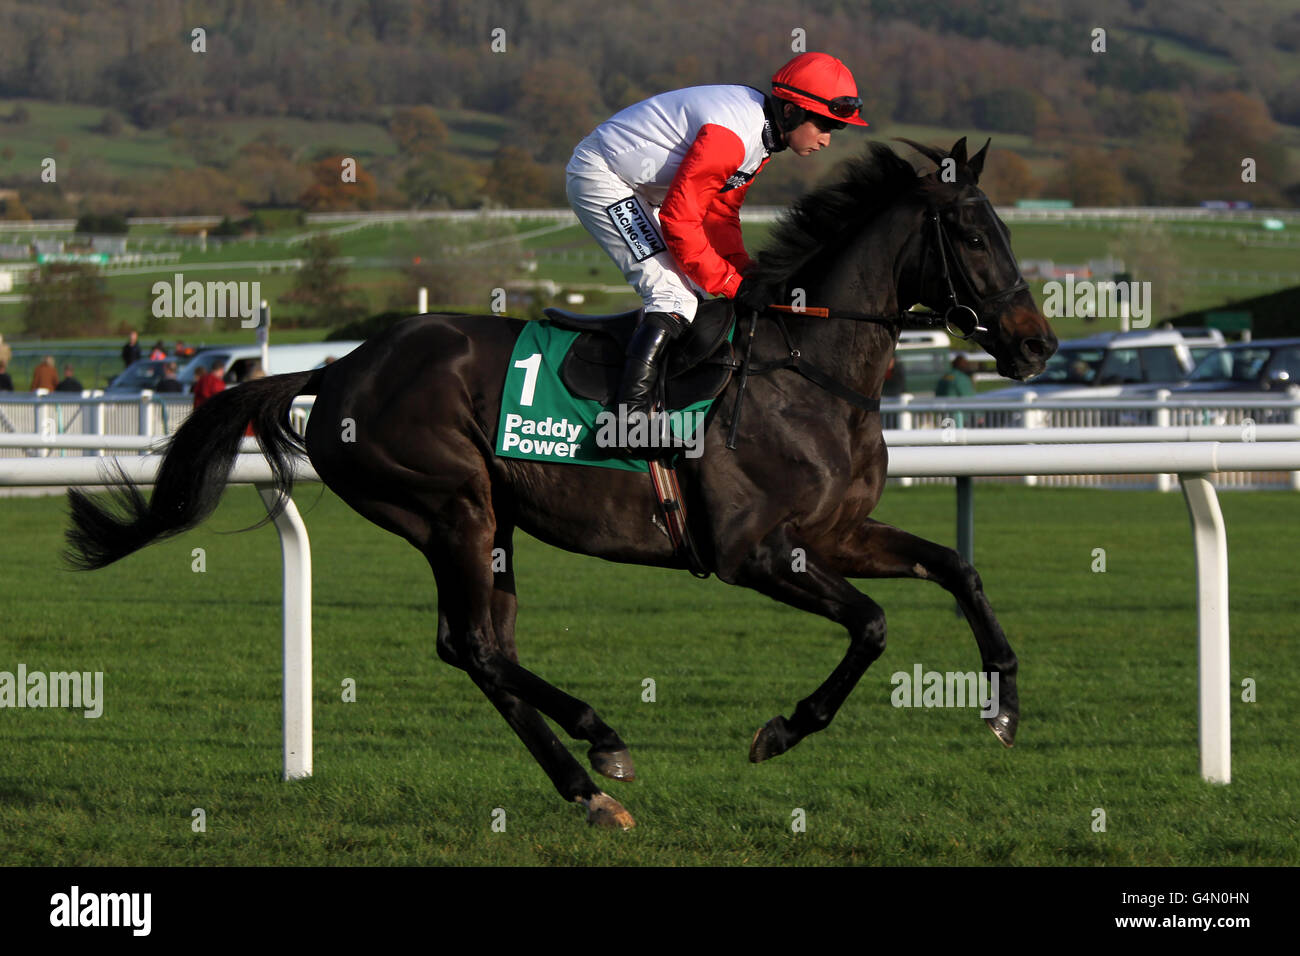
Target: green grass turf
pixel 412 772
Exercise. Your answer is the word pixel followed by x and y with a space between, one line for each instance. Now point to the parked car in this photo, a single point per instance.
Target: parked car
pixel 1201 341
pixel 924 357
pixel 139 375
pixel 1112 365
pixel 1263 366
pixel 240 360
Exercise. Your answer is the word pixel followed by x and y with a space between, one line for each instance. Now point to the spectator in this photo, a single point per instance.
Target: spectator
pixel 1082 372
pixel 210 384
pixel 45 376
pixel 158 352
pixel 200 373
pixel 957 382
pixel 169 383
pixel 70 382
pixel 255 374
pixel 182 350
pixel 895 380
pixel 131 351
pixel 6 383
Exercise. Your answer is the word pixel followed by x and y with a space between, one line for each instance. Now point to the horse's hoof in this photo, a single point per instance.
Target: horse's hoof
pixel 617 764
pixel 771 739
pixel 1004 726
pixel 604 811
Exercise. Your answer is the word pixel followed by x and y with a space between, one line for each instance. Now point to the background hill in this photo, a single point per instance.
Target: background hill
pixel 455 104
pixel 246 110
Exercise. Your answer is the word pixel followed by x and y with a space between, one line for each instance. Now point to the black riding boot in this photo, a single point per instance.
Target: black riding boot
pixel 644 353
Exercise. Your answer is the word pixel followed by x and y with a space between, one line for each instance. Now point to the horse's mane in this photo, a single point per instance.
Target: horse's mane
pixel 826 216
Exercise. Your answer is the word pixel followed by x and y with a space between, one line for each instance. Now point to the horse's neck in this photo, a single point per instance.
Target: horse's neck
pixel 860 279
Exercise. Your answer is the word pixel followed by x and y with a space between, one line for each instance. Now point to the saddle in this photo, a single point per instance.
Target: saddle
pixel 697 366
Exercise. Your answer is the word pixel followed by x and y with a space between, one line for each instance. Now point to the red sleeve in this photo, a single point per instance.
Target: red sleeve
pixel 722 225
pixel 714 156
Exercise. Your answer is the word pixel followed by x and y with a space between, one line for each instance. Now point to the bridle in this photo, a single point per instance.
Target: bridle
pixel 961 320
pixel 958 319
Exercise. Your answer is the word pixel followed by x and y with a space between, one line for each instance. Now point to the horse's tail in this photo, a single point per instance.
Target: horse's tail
pixel 193 473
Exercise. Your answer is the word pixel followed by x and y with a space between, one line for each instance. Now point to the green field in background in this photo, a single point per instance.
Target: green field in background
pixel 571 258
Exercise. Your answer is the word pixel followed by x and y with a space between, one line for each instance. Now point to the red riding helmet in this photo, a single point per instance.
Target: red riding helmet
pixel 822 84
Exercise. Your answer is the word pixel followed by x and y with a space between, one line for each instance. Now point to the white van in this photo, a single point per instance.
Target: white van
pixel 240 361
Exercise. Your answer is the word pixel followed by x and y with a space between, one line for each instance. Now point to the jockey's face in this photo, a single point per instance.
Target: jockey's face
pixel 812 134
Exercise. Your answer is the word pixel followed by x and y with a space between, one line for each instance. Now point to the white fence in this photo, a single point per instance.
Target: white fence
pixel 1193 461
pixel 758 213
pixel 41 418
pixel 771 213
pixel 907 420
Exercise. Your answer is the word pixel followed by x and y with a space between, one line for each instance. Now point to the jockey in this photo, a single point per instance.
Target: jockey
pixel 660 185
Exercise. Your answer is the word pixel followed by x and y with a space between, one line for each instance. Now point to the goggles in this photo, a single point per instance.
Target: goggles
pixel 842 106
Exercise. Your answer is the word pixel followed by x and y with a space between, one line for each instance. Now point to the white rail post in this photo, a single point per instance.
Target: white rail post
pixel 45 431
pixel 100 415
pixel 1214 675
pixel 295 551
pixel 905 424
pixel 146 415
pixel 1029 422
pixel 1163 482
pixel 1293 392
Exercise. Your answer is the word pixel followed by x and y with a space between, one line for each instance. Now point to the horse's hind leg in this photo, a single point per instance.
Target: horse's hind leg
pixel 879 550
pixel 608 754
pixel 565 773
pixel 468 593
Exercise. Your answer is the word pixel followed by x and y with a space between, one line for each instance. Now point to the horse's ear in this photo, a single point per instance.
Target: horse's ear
pixel 958 152
pixel 976 162
pixel 936 156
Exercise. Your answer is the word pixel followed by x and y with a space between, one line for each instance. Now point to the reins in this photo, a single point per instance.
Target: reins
pixel 794 359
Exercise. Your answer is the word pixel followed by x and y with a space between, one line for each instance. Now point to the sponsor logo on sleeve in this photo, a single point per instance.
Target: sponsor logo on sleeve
pixel 735 181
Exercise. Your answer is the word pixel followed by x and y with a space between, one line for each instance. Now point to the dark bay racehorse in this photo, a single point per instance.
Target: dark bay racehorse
pixel 423 400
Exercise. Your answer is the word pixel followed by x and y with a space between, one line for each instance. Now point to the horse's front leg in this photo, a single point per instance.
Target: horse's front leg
pixel 809 581
pixel 879 550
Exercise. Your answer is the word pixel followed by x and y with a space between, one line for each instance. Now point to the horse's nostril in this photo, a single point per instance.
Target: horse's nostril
pixel 1034 348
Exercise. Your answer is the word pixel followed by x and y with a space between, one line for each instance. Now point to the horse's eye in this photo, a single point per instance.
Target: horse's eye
pixel 975 239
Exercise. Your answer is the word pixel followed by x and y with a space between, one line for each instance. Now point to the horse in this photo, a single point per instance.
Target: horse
pixel 422 402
